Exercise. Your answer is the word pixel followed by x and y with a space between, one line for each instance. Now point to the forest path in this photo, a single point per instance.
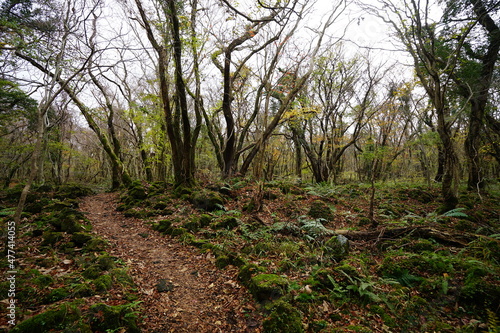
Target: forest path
pixel 195 296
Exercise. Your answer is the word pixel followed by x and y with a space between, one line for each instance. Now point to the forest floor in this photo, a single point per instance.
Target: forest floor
pixel 180 288
pixel 244 256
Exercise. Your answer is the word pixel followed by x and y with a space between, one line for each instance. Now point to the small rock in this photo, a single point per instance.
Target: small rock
pixel 164 286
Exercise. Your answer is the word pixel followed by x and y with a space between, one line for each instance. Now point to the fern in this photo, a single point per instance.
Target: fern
pixel 337 291
pixel 405 278
pixel 7 211
pixel 493 322
pixel 457 212
pixel 314 228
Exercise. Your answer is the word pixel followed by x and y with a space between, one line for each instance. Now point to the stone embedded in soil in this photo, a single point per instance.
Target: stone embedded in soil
pixel 164 286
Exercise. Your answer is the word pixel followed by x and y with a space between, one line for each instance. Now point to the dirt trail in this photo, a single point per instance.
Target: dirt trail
pixel 195 296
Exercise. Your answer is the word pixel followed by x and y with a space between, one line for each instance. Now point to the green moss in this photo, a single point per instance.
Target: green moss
pixel 105 262
pixel 178 231
pixel 481 289
pixel 103 283
pixel 199 243
pixel 193 226
pixel 82 290
pixel 205 220
pixel 337 247
pixel 140 213
pixel 37 206
pixel 247 271
pixel 137 191
pixel 95 245
pixel 222 261
pixel 58 318
pixel 27 294
pixel 226 223
pixel 418 264
pixel 120 276
pixel 56 295
pixel 58 205
pixel 105 318
pixel 92 272
pixel 181 191
pixel 319 209
pixel 207 200
pixel 43 281
pixel 163 226
pixel 80 238
pixel 284 318
pixel 66 220
pixel 51 238
pixel 73 191
pixel 267 287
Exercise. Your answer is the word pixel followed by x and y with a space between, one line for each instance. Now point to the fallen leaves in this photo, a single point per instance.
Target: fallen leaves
pixel 197 297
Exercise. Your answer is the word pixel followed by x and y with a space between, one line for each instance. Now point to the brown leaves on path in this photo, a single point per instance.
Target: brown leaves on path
pixel 180 288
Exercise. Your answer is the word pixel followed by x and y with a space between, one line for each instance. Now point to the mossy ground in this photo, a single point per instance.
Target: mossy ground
pixel 408 283
pixel 62 269
pixel 402 283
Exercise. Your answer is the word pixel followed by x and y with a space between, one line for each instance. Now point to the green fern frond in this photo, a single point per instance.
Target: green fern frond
pixel 457 212
pixel 493 322
pixel 315 228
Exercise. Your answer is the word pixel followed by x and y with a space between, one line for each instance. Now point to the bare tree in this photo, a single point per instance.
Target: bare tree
pixel 181 133
pixel 418 32
pixel 343 91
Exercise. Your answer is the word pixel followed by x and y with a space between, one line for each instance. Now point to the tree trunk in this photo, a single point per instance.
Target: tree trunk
pixel 440 170
pixel 35 160
pixel 472 145
pixel 298 157
pixel 449 185
pixel 480 96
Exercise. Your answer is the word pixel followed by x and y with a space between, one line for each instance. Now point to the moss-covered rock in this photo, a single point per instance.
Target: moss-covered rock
pixel 82 290
pixel 105 318
pixel 56 295
pixel 337 247
pixel 51 237
pixel 205 220
pixel 43 281
pixel 284 318
pixel 177 231
pixel 226 223
pixel 137 191
pixel 193 225
pixel 222 261
pixel 226 259
pixel 182 192
pixel 207 200
pixel 141 212
pixel 103 283
pixel 247 271
pixel 80 238
pixel 73 191
pixel 320 210
pixel 105 262
pixel 92 272
pixel 417 194
pixel 59 318
pixel 95 245
pixel 37 206
pixel 268 287
pixel 163 226
pixel 58 205
pixel 67 220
